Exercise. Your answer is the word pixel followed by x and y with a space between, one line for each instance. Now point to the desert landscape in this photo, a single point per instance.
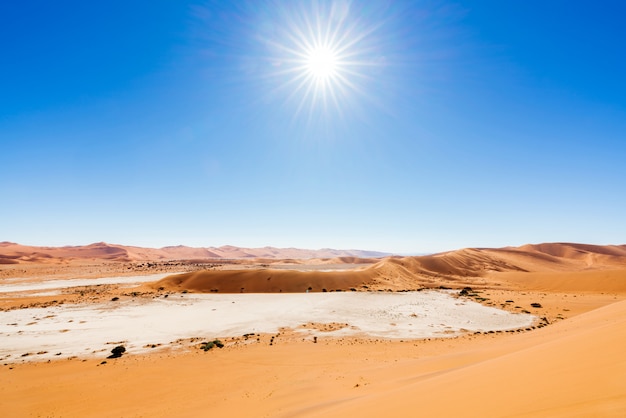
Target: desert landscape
pixel 313 208
pixel 281 336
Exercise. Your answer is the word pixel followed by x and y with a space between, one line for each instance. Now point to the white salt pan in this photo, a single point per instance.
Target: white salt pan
pixel 10 285
pixel 91 329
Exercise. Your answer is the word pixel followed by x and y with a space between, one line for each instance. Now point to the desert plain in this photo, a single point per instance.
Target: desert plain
pixel 561 354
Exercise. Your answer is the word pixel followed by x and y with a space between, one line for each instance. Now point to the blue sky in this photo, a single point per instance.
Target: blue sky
pixel 457 124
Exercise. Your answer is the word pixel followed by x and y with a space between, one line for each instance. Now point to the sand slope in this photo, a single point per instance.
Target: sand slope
pixel 580 371
pixel 573 368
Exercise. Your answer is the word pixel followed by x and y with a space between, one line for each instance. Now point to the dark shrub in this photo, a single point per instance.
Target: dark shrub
pixel 117 352
pixel 206 346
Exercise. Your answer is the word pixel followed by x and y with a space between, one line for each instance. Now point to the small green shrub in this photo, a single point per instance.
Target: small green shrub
pixel 206 346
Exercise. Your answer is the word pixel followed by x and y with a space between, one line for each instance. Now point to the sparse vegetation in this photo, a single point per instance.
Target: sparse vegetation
pixel 117 352
pixel 206 346
pixel 466 291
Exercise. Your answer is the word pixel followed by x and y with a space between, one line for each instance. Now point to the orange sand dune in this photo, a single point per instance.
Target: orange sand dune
pixel 515 267
pixel 11 253
pixel 384 275
pixel 28 254
pixel 266 281
pixel 577 251
pixel 596 281
pixel 575 368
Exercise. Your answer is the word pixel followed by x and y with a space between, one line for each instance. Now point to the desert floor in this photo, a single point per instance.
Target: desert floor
pixel 570 362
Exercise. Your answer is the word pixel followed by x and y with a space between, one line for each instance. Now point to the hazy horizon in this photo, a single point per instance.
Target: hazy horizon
pixel 404 127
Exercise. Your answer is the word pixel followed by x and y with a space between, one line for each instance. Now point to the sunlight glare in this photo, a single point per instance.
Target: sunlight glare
pixel 322 63
pixel 322 57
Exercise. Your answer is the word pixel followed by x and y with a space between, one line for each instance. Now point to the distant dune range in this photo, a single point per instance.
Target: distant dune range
pixel 12 253
pixel 572 267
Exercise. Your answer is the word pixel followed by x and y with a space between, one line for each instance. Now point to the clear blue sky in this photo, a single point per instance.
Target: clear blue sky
pixel 455 124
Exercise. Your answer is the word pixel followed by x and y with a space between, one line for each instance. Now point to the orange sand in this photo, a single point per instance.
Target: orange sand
pixel 573 367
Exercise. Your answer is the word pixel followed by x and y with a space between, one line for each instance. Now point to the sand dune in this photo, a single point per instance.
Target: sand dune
pixel 28 254
pixel 576 251
pixel 12 253
pixel 267 281
pixel 596 281
pixel 573 369
pixel 581 267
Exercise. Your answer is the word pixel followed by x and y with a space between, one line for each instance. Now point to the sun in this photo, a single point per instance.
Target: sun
pixel 322 57
pixel 322 63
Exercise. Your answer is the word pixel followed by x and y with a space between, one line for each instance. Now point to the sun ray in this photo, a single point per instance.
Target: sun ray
pixel 323 54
